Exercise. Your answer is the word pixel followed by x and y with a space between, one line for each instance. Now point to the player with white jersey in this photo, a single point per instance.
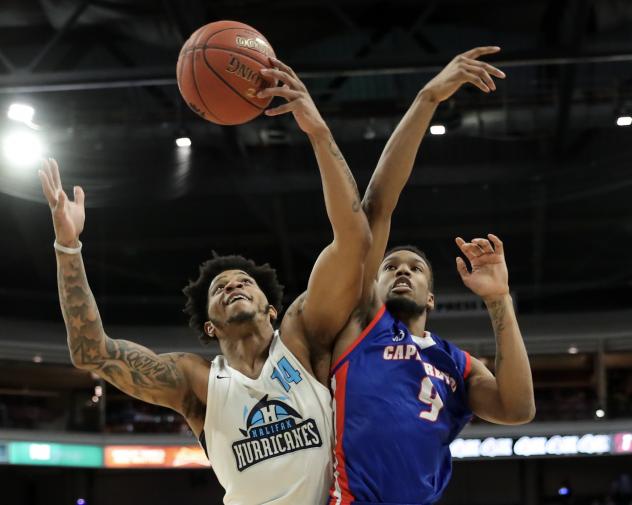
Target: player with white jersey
pixel 261 410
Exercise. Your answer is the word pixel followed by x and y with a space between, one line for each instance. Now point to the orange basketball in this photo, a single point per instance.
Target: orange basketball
pixel 218 72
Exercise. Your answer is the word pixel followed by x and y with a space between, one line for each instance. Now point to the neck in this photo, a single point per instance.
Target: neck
pixel 415 324
pixel 246 349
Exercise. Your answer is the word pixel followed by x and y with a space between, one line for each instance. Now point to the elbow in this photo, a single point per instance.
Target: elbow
pixel 365 238
pixel 522 415
pixel 358 235
pixel 77 361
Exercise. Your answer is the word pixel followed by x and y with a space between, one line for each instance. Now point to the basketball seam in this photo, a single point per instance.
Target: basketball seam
pixel 197 89
pixel 229 49
pixel 230 86
pixel 235 28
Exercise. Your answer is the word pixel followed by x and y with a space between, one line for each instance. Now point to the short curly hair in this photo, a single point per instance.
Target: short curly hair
pixel 419 253
pixel 197 290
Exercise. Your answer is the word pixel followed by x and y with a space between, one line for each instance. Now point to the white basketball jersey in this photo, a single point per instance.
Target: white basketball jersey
pixel 269 439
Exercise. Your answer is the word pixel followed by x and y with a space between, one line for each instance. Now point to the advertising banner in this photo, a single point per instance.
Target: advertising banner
pixel 41 453
pixel 139 456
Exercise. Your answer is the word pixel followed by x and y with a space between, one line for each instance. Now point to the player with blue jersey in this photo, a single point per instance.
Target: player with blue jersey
pixel 402 394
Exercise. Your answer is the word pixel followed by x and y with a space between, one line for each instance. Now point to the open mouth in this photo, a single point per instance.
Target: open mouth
pixel 235 298
pixel 402 285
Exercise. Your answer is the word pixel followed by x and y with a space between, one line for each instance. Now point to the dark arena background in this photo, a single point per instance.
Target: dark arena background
pixel 545 162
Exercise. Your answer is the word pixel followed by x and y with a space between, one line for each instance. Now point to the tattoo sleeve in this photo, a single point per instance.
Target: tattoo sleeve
pixel 130 367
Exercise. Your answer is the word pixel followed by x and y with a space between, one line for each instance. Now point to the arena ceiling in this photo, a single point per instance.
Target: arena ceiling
pixel 541 162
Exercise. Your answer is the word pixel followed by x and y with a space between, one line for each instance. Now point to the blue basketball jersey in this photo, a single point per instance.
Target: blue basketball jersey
pixel 399 401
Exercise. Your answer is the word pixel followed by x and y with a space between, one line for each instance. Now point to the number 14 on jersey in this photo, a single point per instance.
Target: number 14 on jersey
pixel 286 374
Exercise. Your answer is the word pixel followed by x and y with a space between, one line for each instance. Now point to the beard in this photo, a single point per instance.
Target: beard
pixel 247 316
pixel 403 307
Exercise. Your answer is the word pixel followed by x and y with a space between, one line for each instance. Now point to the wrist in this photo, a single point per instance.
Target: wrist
pixel 68 243
pixel 320 133
pixel 428 96
pixel 501 297
pixel 75 248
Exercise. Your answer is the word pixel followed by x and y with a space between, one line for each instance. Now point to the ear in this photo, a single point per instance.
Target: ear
pixel 272 312
pixel 430 302
pixel 209 329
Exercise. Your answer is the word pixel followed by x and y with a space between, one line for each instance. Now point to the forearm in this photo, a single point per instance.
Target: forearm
pixel 398 157
pixel 342 199
pixel 513 372
pixel 86 338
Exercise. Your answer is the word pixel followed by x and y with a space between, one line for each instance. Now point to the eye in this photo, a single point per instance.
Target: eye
pixel 218 288
pixel 389 267
pixel 246 280
pixel 417 269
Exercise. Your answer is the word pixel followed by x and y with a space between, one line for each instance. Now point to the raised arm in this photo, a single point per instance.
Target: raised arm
pixel 335 282
pixel 398 157
pixel 506 398
pixel 160 379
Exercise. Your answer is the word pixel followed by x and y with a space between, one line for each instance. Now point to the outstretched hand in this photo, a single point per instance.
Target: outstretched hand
pixel 299 101
pixel 462 69
pixel 489 277
pixel 68 216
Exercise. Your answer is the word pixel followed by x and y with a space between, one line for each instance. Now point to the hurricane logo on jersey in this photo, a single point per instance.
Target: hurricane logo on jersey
pixel 273 428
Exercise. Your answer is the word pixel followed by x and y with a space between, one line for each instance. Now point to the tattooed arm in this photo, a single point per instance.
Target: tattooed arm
pixel 506 398
pixel 163 379
pixel 335 282
pixel 171 380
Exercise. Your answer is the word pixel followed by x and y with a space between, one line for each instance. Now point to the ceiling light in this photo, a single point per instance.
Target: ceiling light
pixel 21 112
pixel 183 142
pixel 22 148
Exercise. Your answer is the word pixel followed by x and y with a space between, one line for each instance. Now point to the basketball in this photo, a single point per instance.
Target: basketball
pixel 218 72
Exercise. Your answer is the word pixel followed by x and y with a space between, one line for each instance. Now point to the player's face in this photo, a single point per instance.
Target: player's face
pixel 404 274
pixel 234 296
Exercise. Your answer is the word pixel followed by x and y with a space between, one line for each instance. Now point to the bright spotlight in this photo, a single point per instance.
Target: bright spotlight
pixel 437 129
pixel 183 142
pixel 21 113
pixel 563 491
pixel 22 148
pixel 573 349
pixel 600 413
pixel 624 121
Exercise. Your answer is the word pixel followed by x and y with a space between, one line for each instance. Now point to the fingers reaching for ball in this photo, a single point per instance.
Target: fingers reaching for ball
pixel 292 89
